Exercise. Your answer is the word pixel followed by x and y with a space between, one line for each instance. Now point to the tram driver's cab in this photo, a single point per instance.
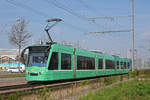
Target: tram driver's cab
pixel 37 61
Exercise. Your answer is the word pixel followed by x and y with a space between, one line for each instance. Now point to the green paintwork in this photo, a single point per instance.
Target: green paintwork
pixel 50 75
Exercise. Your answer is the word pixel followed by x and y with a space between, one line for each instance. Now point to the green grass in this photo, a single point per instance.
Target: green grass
pixel 12 75
pixel 133 90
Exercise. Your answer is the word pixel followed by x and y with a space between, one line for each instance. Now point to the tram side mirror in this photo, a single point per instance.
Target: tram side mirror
pixel 23 57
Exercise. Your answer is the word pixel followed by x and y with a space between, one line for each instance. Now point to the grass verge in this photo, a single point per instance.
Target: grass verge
pixel 12 75
pixel 132 90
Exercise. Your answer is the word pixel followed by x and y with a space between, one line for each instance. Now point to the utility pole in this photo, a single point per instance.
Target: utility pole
pixel 132 29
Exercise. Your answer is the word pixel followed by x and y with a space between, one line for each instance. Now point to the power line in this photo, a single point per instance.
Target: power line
pixel 66 9
pixel 75 27
pixel 102 15
pixel 109 17
pixel 89 7
pixel 28 8
pixel 57 5
pixel 107 31
pixel 61 6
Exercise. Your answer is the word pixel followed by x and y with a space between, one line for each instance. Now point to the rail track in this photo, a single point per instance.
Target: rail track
pixel 55 85
pixel 58 86
pixel 52 84
pixel 6 90
pixel 35 86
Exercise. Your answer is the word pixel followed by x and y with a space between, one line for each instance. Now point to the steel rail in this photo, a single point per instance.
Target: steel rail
pixel 6 90
pixel 26 87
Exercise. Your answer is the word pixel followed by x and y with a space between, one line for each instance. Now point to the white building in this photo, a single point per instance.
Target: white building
pixel 129 54
pixel 12 53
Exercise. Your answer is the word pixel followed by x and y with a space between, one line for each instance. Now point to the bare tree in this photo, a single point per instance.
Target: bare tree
pixel 18 35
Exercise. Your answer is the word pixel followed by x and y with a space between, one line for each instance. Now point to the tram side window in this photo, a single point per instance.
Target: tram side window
pixel 85 63
pixel 125 65
pixel 128 65
pixel 53 65
pixel 122 65
pixel 65 61
pixel 110 64
pixel 100 63
pixel 117 64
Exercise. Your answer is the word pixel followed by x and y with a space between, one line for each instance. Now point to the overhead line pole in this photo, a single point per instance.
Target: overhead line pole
pixel 132 29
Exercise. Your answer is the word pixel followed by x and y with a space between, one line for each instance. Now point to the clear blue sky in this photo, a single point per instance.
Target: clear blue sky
pixel 73 27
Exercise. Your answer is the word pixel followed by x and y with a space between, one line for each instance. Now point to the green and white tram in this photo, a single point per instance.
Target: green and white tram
pixel 52 61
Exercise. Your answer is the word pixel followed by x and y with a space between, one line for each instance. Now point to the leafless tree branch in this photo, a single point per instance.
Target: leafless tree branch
pixel 18 35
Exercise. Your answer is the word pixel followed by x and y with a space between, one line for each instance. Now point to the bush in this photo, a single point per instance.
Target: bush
pixel 101 81
pixel 115 79
pixel 143 89
pixel 22 93
pixel 121 78
pixel 141 72
pixel 108 80
pixel 2 97
pixel 128 76
pixel 19 95
pixel 12 97
pixel 133 74
pixel 132 90
pixel 44 94
pixel 140 90
pixel 85 82
pixel 36 92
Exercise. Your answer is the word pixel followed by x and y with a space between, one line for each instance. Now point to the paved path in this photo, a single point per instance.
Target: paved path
pixel 12 81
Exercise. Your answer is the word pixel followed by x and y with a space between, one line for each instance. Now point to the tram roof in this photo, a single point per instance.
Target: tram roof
pixel 45 45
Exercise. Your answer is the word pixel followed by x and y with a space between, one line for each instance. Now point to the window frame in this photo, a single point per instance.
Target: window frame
pixel 83 62
pixel 125 65
pixel 100 67
pixel 49 68
pixel 128 65
pixel 122 64
pixel 112 62
pixel 118 64
pixel 70 61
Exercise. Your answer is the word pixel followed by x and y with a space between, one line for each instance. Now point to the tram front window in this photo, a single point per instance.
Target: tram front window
pixel 38 59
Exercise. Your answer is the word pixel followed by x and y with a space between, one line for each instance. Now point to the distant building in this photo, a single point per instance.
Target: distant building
pixel 129 54
pixel 8 58
pixel 138 61
pixel 12 53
